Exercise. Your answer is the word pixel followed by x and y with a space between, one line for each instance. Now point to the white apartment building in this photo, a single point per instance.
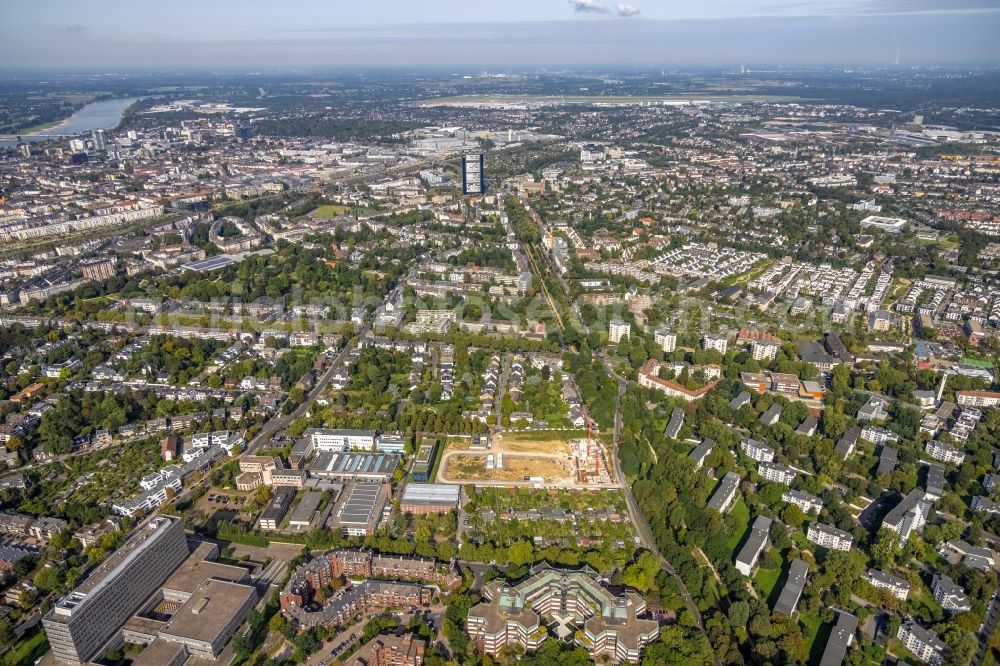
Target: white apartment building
pixel 666 340
pixel 896 586
pixel 618 329
pixel 923 643
pixel 944 452
pixel 978 398
pixel 719 343
pixel 878 435
pixel 757 450
pixel 807 502
pixel 764 350
pixel 950 595
pixel 776 472
pixel 829 536
pixel 909 516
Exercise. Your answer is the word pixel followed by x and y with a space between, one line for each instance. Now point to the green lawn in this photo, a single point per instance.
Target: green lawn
pixel 329 210
pixel 766 581
pixel 27 650
pixel 815 634
pixel 742 512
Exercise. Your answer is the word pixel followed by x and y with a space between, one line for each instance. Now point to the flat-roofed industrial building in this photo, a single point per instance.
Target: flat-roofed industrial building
pixel 429 498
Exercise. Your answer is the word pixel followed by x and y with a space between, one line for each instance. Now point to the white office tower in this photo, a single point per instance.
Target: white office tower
pixel 82 622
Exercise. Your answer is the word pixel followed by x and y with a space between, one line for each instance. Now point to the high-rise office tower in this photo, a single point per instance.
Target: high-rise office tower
pixel 83 621
pixel 473 174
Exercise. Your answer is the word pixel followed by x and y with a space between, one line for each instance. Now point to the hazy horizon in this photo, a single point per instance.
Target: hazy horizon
pixel 111 34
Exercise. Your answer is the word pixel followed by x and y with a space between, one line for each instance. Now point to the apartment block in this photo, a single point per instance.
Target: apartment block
pixel 950 594
pixel 829 536
pixel 881 580
pixel 776 472
pixel 909 516
pixel 923 643
pixel 746 560
pixel 807 502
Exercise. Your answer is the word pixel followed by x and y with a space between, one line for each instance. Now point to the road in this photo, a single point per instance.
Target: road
pixel 986 630
pixel 638 519
pixel 281 421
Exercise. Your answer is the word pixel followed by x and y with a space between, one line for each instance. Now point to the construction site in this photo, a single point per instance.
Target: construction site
pixel 516 460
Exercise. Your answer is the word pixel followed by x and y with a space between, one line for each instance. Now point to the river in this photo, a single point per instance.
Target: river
pixel 96 115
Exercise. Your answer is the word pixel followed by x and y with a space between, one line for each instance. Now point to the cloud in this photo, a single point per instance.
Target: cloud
pixel 925 6
pixel 588 6
pixel 76 27
pixel 626 10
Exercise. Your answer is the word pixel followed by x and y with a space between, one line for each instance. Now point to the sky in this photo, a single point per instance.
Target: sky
pixel 118 35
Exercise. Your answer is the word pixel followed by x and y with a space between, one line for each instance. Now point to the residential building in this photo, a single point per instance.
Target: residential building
pixel 649 378
pixel 978 398
pixel 757 450
pixel 983 504
pixel 847 442
pixel 776 472
pixel 829 536
pixel 887 461
pixel 719 343
pixel 974 557
pixel 473 174
pixel 764 350
pixel 944 452
pixel 746 560
pixel 878 435
pixel 949 594
pixel 909 516
pixel 934 489
pixel 700 452
pixel 771 416
pixel 923 643
pixel 324 568
pixel 876 409
pixel 896 586
pixel 618 329
pixel 391 650
pixel 841 638
pixel 665 339
pixel 725 493
pixel 675 424
pixel 742 399
pixel 798 572
pixel 805 501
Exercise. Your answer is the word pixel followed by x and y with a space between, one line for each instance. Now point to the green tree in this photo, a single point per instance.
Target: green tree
pixel 48 579
pixel 642 573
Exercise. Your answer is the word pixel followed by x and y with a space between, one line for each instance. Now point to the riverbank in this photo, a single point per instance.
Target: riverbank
pixel 104 114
